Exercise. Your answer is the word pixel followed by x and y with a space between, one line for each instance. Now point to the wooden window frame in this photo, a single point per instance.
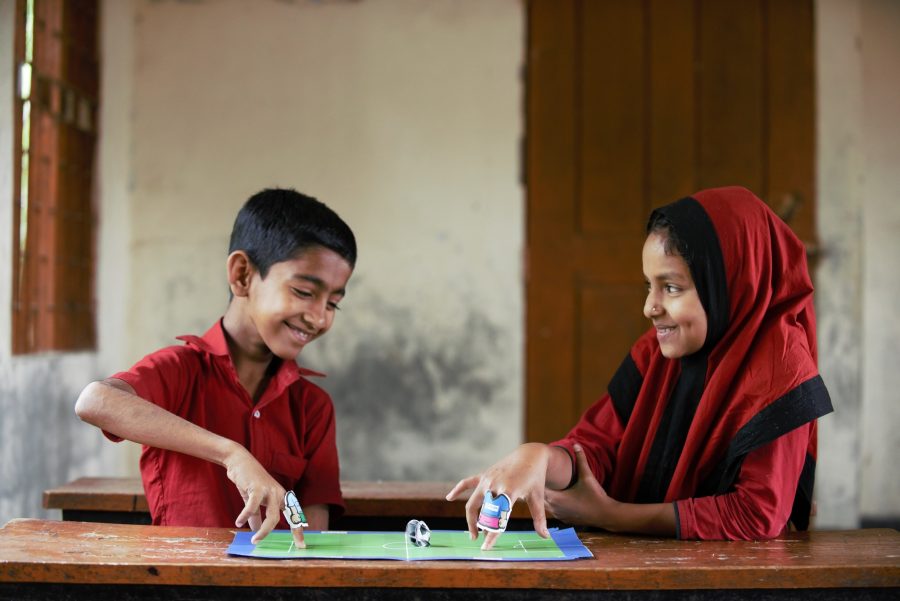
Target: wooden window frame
pixel 53 306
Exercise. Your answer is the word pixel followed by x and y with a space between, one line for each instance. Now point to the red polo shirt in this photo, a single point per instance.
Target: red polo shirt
pixel 290 430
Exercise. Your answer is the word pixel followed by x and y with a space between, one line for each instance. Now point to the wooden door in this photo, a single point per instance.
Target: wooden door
pixel 631 105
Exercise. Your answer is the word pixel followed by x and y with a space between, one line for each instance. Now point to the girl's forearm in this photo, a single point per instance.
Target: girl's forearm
pixel 640 518
pixel 559 469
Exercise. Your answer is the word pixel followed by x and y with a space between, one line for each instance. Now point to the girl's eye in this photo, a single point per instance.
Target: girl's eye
pixel 672 289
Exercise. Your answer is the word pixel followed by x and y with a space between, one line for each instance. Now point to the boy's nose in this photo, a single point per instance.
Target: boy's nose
pixel 315 316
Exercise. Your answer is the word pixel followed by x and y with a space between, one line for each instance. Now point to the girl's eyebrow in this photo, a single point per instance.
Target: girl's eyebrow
pixel 669 275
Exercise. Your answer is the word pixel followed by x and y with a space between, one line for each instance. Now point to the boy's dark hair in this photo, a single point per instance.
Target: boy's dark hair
pixel 673 244
pixel 278 223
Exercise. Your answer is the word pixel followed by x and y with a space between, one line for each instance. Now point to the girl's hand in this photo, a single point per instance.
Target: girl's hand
pixel 586 503
pixel 520 475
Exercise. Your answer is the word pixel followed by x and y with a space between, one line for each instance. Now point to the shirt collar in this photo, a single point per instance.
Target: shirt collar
pixel 213 342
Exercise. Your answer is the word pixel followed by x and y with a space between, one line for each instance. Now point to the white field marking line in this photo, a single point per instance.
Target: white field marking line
pixel 386 546
pixel 521 543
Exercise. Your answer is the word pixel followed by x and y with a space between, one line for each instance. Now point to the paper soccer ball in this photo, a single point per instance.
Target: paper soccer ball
pixel 418 533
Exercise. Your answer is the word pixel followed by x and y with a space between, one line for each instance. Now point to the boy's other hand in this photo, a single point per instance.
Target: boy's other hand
pixel 258 489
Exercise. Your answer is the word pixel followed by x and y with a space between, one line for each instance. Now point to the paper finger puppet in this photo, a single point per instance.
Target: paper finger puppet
pixel 494 512
pixel 293 513
pixel 295 517
pixel 418 533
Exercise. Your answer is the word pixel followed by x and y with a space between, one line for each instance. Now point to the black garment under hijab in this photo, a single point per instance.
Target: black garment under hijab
pixel 693 226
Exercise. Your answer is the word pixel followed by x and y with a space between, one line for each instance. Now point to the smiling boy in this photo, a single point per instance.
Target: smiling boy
pixel 227 420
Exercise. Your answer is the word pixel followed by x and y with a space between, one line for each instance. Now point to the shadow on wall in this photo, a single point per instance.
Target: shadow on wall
pixel 415 405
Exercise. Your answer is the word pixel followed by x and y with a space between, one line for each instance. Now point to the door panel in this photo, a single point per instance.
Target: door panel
pixel 632 105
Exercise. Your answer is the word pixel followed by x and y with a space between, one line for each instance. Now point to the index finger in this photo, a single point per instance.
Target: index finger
pixel 462 485
pixel 273 514
pixel 251 506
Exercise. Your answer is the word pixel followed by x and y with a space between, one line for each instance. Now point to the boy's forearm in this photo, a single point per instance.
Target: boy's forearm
pixel 113 408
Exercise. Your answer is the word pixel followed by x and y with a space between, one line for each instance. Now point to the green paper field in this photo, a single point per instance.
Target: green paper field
pixel 445 545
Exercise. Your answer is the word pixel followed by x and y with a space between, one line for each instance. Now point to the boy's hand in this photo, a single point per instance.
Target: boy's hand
pixel 258 489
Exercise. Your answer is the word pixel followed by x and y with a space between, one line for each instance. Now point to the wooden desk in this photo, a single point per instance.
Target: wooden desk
pixel 74 560
pixel 370 505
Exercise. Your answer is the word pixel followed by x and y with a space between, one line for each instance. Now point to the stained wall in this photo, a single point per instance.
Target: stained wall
pixel 403 116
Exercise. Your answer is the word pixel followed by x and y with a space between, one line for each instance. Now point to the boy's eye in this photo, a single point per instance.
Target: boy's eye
pixel 301 293
pixel 333 306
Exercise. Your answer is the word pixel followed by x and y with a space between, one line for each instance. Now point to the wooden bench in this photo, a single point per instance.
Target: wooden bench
pixel 370 505
pixel 48 559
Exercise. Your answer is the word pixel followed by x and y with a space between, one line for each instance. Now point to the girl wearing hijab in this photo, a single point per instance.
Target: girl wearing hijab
pixel 708 428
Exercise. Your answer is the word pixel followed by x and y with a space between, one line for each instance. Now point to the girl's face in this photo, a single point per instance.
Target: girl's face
pixel 672 304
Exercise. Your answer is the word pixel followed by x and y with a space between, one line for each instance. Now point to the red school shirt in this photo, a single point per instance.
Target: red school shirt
pixel 290 431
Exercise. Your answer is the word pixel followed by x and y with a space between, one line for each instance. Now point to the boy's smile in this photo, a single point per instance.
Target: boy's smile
pixel 672 304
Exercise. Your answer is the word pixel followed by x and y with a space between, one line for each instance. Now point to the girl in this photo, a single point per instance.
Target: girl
pixel 708 428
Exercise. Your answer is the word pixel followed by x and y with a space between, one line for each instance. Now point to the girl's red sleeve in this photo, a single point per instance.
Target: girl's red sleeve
pixel 598 431
pixel 760 505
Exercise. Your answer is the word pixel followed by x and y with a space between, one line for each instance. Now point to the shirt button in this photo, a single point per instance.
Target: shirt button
pixel 256 414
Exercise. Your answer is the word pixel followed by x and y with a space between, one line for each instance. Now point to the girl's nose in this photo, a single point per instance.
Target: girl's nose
pixel 651 307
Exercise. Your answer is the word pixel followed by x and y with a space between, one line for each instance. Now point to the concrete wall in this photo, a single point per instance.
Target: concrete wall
pixel 406 116
pixel 857 283
pixel 880 448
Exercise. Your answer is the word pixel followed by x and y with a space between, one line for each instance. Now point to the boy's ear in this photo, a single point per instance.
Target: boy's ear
pixel 240 271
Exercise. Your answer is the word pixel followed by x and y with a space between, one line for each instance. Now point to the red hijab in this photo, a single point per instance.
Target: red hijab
pixel 690 422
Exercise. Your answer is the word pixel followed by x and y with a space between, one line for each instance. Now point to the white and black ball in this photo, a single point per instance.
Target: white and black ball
pixel 418 533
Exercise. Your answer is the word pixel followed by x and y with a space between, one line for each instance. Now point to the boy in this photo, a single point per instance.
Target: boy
pixel 232 405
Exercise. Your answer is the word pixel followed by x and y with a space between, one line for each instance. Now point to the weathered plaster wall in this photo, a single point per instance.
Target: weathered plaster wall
pixel 839 307
pixel 405 117
pixel 880 442
pixel 857 282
